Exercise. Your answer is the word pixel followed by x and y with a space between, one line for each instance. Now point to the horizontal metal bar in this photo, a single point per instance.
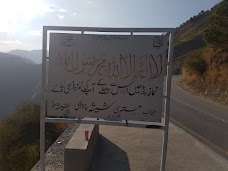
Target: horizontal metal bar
pixel 107 29
pixel 104 122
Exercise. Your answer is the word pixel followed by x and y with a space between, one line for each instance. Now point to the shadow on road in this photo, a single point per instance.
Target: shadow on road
pixel 108 156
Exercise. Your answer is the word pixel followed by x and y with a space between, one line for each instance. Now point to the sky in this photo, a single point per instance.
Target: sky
pixel 21 22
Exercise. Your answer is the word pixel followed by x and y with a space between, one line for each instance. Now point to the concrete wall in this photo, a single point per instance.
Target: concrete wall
pixel 78 152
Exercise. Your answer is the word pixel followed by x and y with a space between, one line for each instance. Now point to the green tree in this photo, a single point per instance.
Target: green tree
pixel 216 33
pixel 19 135
pixel 19 138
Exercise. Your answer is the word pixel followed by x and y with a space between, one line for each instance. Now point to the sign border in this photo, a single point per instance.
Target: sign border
pixel 163 126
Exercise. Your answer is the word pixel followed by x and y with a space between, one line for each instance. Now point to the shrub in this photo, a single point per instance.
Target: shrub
pixel 195 65
pixel 20 135
pixel 177 71
pixel 18 132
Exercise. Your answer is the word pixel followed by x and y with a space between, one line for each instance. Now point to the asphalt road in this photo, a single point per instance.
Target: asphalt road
pixel 204 119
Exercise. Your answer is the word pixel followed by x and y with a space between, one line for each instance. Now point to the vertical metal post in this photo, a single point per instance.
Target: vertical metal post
pixel 167 101
pixel 43 102
pixel 44 85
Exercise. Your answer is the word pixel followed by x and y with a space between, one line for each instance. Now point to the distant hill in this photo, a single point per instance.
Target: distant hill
pixel 189 39
pixel 19 78
pixel 201 52
pixel 5 57
pixel 34 55
pixel 193 28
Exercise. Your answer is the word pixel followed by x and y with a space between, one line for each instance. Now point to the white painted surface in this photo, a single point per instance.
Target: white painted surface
pixel 106 76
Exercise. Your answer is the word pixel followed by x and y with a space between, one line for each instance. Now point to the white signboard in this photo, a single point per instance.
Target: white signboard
pixel 113 77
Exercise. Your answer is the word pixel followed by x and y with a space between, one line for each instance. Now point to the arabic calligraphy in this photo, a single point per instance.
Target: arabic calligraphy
pixel 102 87
pixel 67 40
pixel 114 77
pixel 110 37
pixel 117 110
pixel 124 66
pixel 158 41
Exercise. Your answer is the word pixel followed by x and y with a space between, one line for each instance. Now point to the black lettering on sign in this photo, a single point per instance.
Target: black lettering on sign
pixel 158 41
pixel 67 40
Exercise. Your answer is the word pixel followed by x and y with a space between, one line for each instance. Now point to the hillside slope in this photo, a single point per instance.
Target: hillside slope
pixel 189 38
pixel 201 53
pixel 34 55
pixel 18 80
pixel 20 136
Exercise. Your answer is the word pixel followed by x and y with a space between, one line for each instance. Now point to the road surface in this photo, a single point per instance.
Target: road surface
pixel 200 117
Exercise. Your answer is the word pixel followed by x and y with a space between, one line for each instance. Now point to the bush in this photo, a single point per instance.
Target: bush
pixel 20 135
pixel 195 65
pixel 177 71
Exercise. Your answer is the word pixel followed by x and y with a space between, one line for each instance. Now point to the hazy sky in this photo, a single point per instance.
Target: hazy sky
pixel 21 21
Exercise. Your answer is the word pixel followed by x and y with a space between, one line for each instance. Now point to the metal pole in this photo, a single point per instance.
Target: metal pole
pixel 105 29
pixel 43 101
pixel 43 119
pixel 167 101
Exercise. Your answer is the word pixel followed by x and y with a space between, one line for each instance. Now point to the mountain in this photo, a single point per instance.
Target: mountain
pixel 5 58
pixel 19 78
pixel 201 52
pixel 34 55
pixel 189 38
